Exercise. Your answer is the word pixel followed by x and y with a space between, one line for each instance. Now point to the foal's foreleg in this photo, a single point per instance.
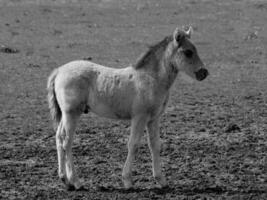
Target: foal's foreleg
pixel 154 145
pixel 69 121
pixel 137 130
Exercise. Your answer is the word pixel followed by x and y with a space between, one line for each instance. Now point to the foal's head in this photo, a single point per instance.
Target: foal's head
pixel 185 57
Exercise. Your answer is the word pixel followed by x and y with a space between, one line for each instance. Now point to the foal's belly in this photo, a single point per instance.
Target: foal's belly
pixel 117 105
pixel 109 109
pixel 103 110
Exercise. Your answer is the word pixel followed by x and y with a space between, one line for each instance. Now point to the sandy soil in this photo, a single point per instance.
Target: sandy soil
pixel 214 132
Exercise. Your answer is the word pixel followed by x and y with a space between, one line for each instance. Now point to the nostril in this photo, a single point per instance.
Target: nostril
pixel 205 72
pixel 201 74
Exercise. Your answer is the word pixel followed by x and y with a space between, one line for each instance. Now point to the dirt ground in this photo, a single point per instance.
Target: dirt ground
pixel 213 132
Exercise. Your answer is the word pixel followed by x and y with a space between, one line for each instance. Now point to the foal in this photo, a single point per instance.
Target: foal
pixel 138 93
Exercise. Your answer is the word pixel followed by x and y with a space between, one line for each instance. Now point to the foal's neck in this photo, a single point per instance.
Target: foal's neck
pixel 169 73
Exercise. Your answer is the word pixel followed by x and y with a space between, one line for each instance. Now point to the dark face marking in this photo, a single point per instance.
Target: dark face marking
pixel 189 50
pixel 188 53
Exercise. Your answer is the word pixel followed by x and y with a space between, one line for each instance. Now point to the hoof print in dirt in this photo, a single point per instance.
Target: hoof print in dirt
pixel 4 49
pixel 232 128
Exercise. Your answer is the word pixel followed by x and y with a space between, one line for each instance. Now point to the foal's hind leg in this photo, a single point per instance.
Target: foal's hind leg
pixel 69 121
pixel 154 145
pixel 60 135
pixel 137 130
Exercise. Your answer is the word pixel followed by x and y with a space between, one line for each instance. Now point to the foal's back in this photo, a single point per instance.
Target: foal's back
pixel 108 92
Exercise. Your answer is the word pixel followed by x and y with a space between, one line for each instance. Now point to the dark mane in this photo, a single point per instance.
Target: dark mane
pixel 145 58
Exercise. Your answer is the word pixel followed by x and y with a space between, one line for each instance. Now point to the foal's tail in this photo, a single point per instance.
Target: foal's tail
pixel 52 100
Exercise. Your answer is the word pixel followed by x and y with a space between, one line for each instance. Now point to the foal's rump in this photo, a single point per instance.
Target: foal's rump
pixel 108 92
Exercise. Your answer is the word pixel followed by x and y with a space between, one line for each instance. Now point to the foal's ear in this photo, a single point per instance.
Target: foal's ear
pixel 189 32
pixel 178 37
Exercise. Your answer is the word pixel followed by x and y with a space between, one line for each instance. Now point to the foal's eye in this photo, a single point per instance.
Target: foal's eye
pixel 188 53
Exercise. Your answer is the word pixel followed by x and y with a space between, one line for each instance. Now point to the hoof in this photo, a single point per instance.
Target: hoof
pixel 64 180
pixel 161 181
pixel 128 183
pixel 72 186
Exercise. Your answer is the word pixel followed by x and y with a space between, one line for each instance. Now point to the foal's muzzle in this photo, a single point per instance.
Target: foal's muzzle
pixel 201 74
